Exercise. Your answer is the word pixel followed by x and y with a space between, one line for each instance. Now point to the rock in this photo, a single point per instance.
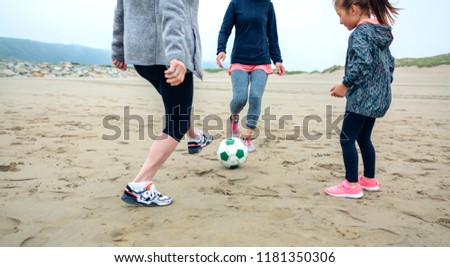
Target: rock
pixel 67 64
pixel 57 73
pixel 37 74
pixel 21 70
pixel 62 69
pixel 8 72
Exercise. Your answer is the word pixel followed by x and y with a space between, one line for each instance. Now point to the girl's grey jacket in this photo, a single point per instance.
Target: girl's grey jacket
pixel 154 32
pixel 369 70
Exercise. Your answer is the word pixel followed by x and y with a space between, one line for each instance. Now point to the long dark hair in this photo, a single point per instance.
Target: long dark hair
pixel 384 11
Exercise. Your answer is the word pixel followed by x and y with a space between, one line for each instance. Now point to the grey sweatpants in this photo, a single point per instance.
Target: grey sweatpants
pixel 240 81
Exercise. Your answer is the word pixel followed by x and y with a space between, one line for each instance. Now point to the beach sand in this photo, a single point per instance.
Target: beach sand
pixel 61 177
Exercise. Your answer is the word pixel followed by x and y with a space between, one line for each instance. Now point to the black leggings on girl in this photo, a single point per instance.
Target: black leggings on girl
pixel 177 99
pixel 357 128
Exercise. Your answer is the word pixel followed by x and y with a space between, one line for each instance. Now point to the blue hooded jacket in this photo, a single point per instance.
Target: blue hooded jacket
pixel 256 37
pixel 369 70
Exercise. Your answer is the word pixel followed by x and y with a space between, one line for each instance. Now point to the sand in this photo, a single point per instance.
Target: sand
pixel 61 178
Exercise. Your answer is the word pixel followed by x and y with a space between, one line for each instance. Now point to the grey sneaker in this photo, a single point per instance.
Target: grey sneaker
pixel 195 146
pixel 149 197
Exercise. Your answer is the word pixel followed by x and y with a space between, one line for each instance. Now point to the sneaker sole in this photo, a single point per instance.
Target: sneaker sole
pixel 371 189
pixel 251 149
pixel 197 149
pixel 194 150
pixel 133 201
pixel 354 196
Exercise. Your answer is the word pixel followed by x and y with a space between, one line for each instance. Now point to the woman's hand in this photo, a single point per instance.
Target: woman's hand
pixel 120 64
pixel 280 68
pixel 221 58
pixel 175 73
pixel 339 90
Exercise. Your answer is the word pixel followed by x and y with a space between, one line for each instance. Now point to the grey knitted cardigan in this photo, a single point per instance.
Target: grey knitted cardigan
pixel 369 70
pixel 154 32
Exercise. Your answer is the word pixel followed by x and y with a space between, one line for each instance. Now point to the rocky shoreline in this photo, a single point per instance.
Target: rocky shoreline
pixel 62 69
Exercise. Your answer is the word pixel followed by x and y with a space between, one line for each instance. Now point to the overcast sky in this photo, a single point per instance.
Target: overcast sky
pixel 311 37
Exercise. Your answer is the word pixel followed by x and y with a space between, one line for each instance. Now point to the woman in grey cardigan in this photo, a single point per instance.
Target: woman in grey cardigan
pixel 161 39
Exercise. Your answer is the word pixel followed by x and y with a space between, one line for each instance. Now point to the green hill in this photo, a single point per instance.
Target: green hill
pixel 425 62
pixel 33 51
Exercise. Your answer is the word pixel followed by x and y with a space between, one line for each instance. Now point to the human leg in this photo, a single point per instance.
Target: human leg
pixel 152 74
pixel 258 81
pixel 351 128
pixel 239 81
pixel 177 103
pixel 177 100
pixel 158 153
pixel 197 139
pixel 368 180
pixel 366 148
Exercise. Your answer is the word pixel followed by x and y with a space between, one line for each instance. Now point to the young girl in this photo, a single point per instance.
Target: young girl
pixel 366 85
pixel 255 45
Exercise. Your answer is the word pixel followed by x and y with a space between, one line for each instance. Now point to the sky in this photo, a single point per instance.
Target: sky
pixel 310 35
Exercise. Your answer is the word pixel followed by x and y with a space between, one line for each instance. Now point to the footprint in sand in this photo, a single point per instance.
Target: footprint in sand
pixel 444 222
pixel 287 163
pixel 373 236
pixel 12 167
pixel 203 173
pixel 34 241
pixel 118 235
pixel 215 190
pixel 41 240
pixel 282 214
pixel 8 225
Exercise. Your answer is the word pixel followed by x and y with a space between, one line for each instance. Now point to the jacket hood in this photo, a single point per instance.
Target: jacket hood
pixel 380 34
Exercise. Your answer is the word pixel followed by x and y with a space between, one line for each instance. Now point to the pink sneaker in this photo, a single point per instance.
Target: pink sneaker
pixel 368 184
pixel 345 190
pixel 249 145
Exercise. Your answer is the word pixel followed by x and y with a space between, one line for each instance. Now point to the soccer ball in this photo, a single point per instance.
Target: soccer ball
pixel 232 153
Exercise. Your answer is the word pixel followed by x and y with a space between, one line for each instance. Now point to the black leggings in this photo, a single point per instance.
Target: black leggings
pixel 357 128
pixel 177 99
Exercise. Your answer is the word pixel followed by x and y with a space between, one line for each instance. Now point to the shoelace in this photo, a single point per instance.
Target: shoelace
pixel 152 193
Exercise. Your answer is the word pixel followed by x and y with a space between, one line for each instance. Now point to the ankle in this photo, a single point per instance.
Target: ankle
pixel 140 185
pixel 195 135
pixel 352 184
pixel 247 135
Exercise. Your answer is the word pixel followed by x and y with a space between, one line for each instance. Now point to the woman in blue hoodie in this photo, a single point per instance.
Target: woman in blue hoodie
pixel 255 45
pixel 367 82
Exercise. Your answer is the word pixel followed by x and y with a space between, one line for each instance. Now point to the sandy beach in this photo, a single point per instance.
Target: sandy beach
pixel 62 171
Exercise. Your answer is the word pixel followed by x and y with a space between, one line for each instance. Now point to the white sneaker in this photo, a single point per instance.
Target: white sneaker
pixel 148 197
